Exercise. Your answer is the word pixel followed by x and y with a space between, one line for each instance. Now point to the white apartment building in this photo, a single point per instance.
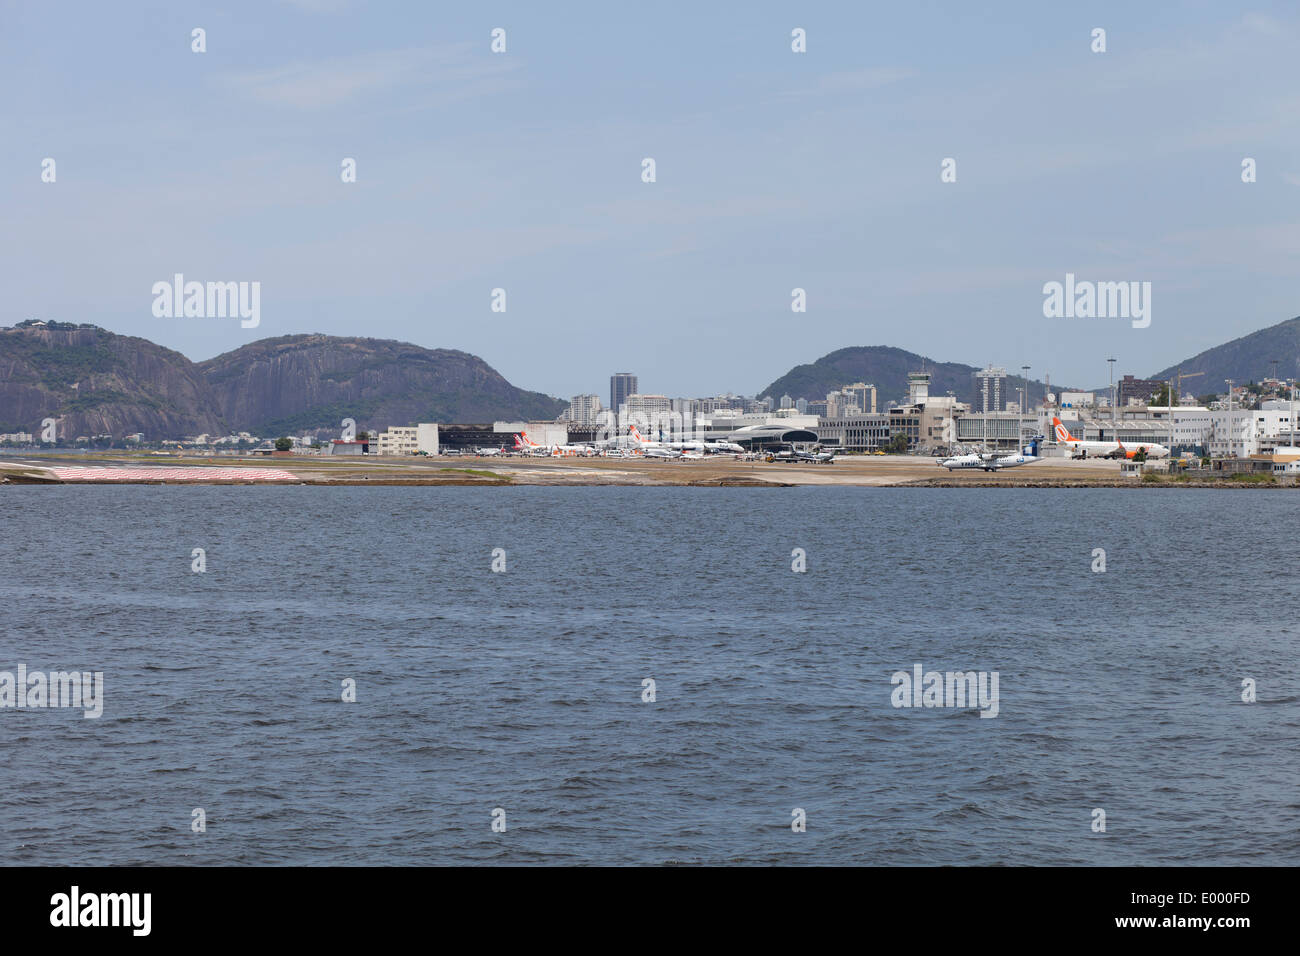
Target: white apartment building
pixel 584 409
pixel 409 439
pixel 1240 432
pixel 649 406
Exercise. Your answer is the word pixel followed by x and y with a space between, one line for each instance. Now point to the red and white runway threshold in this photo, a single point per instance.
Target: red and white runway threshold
pixel 158 473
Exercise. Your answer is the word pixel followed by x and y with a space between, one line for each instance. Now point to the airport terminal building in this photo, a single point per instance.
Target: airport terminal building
pixel 860 433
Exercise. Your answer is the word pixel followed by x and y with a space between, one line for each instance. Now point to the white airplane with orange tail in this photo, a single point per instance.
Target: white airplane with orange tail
pixel 699 446
pixel 1103 449
pixel 650 449
pixel 637 438
pixel 528 446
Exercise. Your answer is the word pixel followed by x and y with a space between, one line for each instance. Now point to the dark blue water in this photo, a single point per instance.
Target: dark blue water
pixel 522 690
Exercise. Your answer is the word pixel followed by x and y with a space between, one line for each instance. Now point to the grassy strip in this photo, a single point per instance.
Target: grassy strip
pixel 480 474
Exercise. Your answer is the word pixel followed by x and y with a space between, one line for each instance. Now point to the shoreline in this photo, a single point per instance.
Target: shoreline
pixel 894 471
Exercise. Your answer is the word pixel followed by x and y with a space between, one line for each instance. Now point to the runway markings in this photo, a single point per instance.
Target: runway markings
pixel 77 473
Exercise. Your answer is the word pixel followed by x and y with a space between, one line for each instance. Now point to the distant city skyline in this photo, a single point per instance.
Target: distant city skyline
pixel 521 172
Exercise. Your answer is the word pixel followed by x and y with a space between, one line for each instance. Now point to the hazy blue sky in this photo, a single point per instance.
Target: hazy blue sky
pixel 775 170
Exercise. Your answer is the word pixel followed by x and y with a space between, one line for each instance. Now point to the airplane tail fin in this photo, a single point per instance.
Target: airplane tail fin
pixel 1062 433
pixel 636 435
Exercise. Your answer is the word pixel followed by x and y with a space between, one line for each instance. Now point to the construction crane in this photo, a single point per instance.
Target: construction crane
pixel 1186 375
pixel 1180 377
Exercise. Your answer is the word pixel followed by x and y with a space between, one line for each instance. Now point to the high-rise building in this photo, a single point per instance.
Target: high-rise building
pixel 992 389
pixel 584 409
pixel 652 414
pixel 621 385
pixel 864 396
pixel 651 405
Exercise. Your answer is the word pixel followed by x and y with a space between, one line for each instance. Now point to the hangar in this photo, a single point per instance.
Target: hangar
pixel 763 437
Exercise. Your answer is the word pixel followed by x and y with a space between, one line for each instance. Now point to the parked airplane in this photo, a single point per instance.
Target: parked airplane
pixel 658 451
pixel 1103 449
pixel 718 447
pixel 638 439
pixel 525 444
pixel 790 455
pixel 818 457
pixel 652 449
pixel 706 447
pixel 620 446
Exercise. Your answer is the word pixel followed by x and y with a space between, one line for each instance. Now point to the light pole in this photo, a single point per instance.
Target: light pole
pixel 1020 419
pixel 1114 429
pixel 1025 401
pixel 1171 418
pixel 1228 382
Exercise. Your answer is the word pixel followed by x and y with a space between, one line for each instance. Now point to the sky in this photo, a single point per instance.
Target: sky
pixel 774 170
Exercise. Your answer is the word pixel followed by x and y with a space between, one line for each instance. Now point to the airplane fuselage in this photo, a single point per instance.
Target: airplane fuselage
pixel 1103 449
pixel 986 463
pixel 1114 449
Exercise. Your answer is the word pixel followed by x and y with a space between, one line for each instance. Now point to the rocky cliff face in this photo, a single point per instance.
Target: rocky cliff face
pixel 300 383
pixel 95 382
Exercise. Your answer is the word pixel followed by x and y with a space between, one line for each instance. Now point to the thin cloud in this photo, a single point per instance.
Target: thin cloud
pixel 854 81
pixel 318 6
pixel 450 72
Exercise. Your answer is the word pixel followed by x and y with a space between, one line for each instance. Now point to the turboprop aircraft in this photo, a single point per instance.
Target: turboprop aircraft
pixel 988 461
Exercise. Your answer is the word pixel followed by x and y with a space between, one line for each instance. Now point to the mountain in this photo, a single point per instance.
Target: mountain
pixel 1247 359
pixel 298 383
pixel 886 368
pixel 100 383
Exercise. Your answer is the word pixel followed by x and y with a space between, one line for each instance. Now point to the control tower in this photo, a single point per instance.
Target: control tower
pixel 918 388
